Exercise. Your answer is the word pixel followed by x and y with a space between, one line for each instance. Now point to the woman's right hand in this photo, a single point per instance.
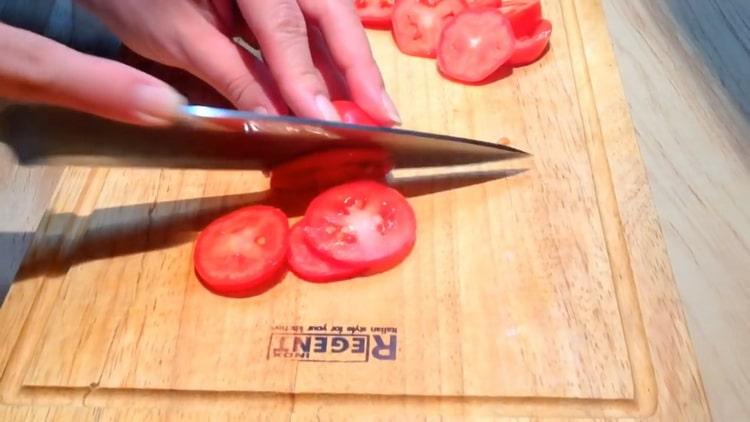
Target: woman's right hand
pixel 298 39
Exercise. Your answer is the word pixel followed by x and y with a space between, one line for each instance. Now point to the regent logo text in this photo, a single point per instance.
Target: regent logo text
pixel 334 343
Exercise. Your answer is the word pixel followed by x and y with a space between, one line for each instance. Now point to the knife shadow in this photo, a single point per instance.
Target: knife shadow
pixel 119 231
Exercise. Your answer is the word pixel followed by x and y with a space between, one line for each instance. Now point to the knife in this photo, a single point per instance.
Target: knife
pixel 216 138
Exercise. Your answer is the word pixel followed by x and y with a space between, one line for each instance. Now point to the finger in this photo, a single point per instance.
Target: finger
pixel 237 75
pixel 224 12
pixel 36 69
pixel 282 33
pixel 350 49
pixel 196 90
pixel 226 16
pixel 325 64
pixel 218 13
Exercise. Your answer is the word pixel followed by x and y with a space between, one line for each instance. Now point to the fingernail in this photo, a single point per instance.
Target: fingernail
pixel 156 104
pixel 326 109
pixel 260 110
pixel 390 108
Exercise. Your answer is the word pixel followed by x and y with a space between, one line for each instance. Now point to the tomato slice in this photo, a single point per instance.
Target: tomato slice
pixel 475 44
pixel 417 24
pixel 529 48
pixel 524 15
pixel 351 113
pixel 309 265
pixel 244 252
pixel 325 169
pixel 361 223
pixel 375 14
pixel 476 4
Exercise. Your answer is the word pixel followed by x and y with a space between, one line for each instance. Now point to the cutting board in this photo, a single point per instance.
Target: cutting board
pixel 538 290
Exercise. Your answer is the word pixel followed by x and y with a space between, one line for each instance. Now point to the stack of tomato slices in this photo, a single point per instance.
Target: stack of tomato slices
pixel 358 228
pixel 353 229
pixel 356 225
pixel 471 39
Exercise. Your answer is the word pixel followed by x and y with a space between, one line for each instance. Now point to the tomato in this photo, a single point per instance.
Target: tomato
pixel 353 114
pixel 475 44
pixel 309 265
pixel 531 31
pixel 417 24
pixel 476 4
pixel 244 252
pixel 529 48
pixel 375 14
pixel 361 223
pixel 325 169
pixel 524 15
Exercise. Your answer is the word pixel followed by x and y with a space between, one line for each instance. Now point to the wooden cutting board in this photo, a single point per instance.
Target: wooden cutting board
pixel 541 294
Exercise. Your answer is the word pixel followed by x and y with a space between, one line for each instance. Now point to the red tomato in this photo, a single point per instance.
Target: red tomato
pixel 361 223
pixel 529 48
pixel 475 4
pixel 309 265
pixel 244 252
pixel 524 15
pixel 325 169
pixel 353 114
pixel 475 44
pixel 417 24
pixel 375 14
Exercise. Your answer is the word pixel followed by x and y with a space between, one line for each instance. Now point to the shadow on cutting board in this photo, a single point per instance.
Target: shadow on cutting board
pixel 111 232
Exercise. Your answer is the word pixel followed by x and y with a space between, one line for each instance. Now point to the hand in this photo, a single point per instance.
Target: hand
pixel 298 38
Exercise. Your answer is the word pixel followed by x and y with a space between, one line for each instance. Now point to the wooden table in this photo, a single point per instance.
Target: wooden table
pixel 682 67
pixel 685 70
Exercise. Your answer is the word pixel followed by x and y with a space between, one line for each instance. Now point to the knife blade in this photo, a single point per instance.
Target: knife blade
pixel 215 138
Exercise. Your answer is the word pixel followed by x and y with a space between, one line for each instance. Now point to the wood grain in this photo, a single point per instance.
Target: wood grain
pixel 685 72
pixel 594 327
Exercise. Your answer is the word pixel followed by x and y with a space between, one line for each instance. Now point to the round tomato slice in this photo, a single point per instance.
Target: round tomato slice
pixel 476 4
pixel 362 223
pixel 417 24
pixel 528 49
pixel 524 15
pixel 353 114
pixel 375 14
pixel 325 169
pixel 309 265
pixel 244 252
pixel 475 44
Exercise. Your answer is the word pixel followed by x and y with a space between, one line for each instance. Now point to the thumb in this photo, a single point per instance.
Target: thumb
pixel 36 69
